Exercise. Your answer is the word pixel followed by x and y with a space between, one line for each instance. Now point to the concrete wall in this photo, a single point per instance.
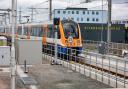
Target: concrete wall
pixel 4 56
pixel 29 50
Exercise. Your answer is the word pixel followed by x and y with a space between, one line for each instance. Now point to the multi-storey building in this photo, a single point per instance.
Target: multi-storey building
pixel 82 15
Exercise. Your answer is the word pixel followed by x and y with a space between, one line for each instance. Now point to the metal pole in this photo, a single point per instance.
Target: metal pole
pixel 20 15
pixel 13 68
pixel 50 9
pixel 5 19
pixel 32 14
pixel 9 17
pixel 109 21
pixel 56 44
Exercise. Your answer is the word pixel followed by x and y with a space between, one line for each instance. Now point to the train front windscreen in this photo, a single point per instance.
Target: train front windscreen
pixel 70 29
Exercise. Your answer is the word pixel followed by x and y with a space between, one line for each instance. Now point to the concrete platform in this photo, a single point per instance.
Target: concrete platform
pixel 57 77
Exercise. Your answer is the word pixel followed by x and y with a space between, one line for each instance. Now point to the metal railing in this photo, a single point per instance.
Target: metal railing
pixel 111 48
pixel 107 69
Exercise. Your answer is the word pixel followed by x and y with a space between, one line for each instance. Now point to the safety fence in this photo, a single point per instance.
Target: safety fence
pixel 107 69
pixel 111 48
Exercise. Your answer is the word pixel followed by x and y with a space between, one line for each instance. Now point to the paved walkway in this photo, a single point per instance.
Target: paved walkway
pixel 56 77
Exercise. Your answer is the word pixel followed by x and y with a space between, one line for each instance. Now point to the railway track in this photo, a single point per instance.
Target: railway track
pixel 111 69
pixel 122 73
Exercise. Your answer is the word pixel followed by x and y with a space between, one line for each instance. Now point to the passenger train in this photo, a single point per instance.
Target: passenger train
pixel 69 35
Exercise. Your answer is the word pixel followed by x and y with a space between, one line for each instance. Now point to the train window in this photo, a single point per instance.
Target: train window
pixel 40 32
pixel 50 32
pixel 25 30
pixel 32 32
pixel 19 31
pixel 35 31
pixel 70 29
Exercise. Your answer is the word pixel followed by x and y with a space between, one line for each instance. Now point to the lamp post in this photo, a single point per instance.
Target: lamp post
pixel 109 24
pixel 13 63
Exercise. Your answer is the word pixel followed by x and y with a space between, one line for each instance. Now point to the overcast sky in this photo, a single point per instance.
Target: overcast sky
pixel 119 9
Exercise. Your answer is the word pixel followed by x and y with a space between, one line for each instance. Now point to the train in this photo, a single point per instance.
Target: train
pixel 68 35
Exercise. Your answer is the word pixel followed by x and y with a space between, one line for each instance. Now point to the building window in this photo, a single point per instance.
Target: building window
pixel 88 12
pixel 81 19
pixel 77 19
pixel 64 18
pixel 83 12
pixel 72 12
pixel 68 12
pixel 93 12
pixel 97 13
pixel 77 12
pixel 97 20
pixel 58 12
pixel 93 19
pixel 64 12
pixel 87 19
